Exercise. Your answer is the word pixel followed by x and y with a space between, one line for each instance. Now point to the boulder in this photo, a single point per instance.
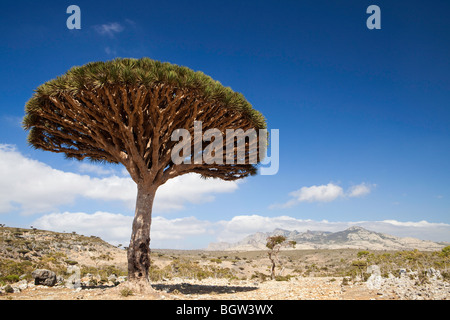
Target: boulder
pixel 44 277
pixel 374 269
pixel 8 289
pixel 21 285
pixel 375 280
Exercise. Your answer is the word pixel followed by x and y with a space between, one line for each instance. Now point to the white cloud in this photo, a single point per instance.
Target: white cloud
pixel 111 227
pixel 190 188
pixel 85 167
pixel 183 232
pixel 324 193
pixel 116 228
pixel 109 29
pixel 241 226
pixel 179 228
pixel 30 186
pixel 13 120
pixel 360 190
pixel 110 51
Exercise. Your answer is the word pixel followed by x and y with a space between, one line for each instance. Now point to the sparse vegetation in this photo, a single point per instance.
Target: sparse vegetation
pixel 274 244
pixel 283 278
pixel 58 251
pixel 126 292
pixel 24 250
pixel 188 269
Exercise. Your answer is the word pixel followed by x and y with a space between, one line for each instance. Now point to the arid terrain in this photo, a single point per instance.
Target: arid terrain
pixel 88 268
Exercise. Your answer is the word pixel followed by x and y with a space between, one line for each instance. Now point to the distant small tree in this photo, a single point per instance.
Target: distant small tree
pixel 274 244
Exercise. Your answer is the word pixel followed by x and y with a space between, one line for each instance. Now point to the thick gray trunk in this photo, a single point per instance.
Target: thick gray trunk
pixel 139 248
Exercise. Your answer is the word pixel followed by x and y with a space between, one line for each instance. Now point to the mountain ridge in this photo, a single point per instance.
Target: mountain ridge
pixel 354 237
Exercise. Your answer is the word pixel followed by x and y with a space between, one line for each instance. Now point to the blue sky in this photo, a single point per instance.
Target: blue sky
pixel 363 115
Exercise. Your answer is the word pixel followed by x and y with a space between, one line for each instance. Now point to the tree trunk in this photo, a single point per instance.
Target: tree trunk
pixel 272 271
pixel 139 248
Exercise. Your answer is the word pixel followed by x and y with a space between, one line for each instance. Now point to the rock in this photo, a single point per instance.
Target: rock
pixel 73 282
pixel 8 289
pixel 21 285
pixel 374 269
pixel 374 282
pixel 70 284
pixel 112 278
pixel 44 277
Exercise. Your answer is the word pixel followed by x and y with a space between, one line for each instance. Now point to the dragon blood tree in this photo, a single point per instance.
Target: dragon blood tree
pixel 126 111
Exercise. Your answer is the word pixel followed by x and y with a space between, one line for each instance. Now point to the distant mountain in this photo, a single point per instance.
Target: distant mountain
pixel 352 238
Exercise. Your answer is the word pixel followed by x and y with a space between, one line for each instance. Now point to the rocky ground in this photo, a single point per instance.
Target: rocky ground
pixel 300 288
pixel 210 289
pixel 87 268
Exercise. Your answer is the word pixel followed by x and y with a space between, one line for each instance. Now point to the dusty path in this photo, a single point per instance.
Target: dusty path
pixel 311 288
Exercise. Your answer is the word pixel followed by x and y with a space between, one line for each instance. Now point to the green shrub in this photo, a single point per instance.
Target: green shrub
pixel 359 263
pixel 362 254
pixel 216 260
pixel 422 278
pixel 345 281
pixel 10 269
pixel 259 276
pixel 11 278
pixel 283 278
pixel 126 292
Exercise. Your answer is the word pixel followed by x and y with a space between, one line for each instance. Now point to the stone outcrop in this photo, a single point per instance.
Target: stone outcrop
pixel 44 277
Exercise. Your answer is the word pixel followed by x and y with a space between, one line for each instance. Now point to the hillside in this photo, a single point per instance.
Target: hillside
pixel 199 274
pixel 351 238
pixel 23 249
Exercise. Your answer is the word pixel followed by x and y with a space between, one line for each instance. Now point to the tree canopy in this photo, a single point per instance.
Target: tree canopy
pixel 125 110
